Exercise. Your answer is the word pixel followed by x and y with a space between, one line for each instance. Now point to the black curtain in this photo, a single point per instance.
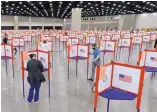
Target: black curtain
pixel 23 27
pixel 7 27
pixel 36 27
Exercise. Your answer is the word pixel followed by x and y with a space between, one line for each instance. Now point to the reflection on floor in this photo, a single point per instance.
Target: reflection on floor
pixel 73 95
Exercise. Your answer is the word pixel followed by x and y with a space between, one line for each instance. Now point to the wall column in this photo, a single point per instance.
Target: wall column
pixel 42 23
pixel 54 23
pixel 30 23
pixel 16 23
pixel 76 19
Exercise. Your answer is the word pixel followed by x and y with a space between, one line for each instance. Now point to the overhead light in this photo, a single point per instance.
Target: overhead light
pixel 20 2
pixel 119 5
pixel 114 4
pixel 89 3
pixel 17 6
pixel 128 3
pixel 102 6
pixel 24 6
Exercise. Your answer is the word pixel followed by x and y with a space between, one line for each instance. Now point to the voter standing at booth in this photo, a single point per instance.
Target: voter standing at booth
pixel 35 69
pixel 96 60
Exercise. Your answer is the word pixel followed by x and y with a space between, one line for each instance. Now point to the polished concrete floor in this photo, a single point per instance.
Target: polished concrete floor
pixel 69 95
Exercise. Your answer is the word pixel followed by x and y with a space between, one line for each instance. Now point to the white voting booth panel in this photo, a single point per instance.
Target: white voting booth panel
pixel 151 59
pixel 2 50
pixel 8 50
pixel 146 38
pixel 72 35
pixel 106 37
pixel 21 42
pixel 126 78
pixel 124 42
pixel 80 37
pixel 90 40
pixel 72 41
pixel 115 37
pixel 63 38
pixel 137 40
pixel 16 42
pixel 28 38
pixel 47 38
pixel 73 50
pixel 43 57
pixel 153 37
pixel 104 77
pixel 107 45
pixel 127 35
pixel 83 51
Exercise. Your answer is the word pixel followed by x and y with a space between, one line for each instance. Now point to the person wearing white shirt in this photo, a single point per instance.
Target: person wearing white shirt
pixel 45 46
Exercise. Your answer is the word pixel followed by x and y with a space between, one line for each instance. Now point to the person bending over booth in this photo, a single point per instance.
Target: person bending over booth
pixel 96 61
pixel 45 46
pixel 35 69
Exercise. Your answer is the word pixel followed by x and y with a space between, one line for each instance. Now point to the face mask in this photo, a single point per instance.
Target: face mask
pixel 93 48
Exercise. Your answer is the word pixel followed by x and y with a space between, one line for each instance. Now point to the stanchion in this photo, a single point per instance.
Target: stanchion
pixel 49 88
pixel 13 70
pixel 108 105
pixel 6 67
pixel 23 88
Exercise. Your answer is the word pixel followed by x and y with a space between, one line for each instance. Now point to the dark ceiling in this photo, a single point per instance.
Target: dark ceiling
pixel 63 9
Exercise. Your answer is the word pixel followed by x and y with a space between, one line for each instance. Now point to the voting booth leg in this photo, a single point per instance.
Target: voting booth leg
pixel 49 88
pixel 68 71
pixel 6 67
pixel 152 76
pixel 108 105
pixel 103 57
pixel 76 66
pixel 52 62
pixel 87 71
pixel 94 110
pixel 23 87
pixel 13 70
pixel 119 53
pixel 128 57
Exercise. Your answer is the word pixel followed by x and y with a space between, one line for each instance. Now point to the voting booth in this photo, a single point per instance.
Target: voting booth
pixel 122 44
pixel 47 38
pixel 27 38
pixel 78 52
pixel 18 42
pixel 6 54
pixel 108 46
pixel 137 41
pixel 106 37
pixel 43 56
pixel 148 59
pixel 90 40
pixel 117 81
pixel 146 41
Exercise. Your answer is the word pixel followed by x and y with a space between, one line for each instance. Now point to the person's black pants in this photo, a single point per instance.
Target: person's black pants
pixel 15 50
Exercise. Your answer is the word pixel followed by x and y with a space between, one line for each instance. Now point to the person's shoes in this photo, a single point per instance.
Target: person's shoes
pixel 36 101
pixel 90 79
pixel 28 102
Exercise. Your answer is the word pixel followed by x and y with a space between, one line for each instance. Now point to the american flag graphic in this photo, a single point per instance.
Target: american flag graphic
pixel 125 78
pixel 42 59
pixel 109 45
pixel 125 42
pixel 82 50
pixel 153 59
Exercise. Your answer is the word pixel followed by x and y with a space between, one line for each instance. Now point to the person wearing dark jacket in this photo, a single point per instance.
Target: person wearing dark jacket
pixel 5 41
pixel 35 69
pixel 155 45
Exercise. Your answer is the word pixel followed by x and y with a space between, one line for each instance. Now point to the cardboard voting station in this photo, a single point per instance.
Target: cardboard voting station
pixel 28 38
pixel 106 37
pixel 137 41
pixel 115 83
pixel 43 56
pixel 148 59
pixel 72 41
pixel 47 38
pixel 78 52
pixel 90 40
pixel 116 37
pixel 108 46
pixel 6 54
pixel 18 42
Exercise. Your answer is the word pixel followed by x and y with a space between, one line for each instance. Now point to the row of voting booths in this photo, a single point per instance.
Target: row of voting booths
pixel 112 81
